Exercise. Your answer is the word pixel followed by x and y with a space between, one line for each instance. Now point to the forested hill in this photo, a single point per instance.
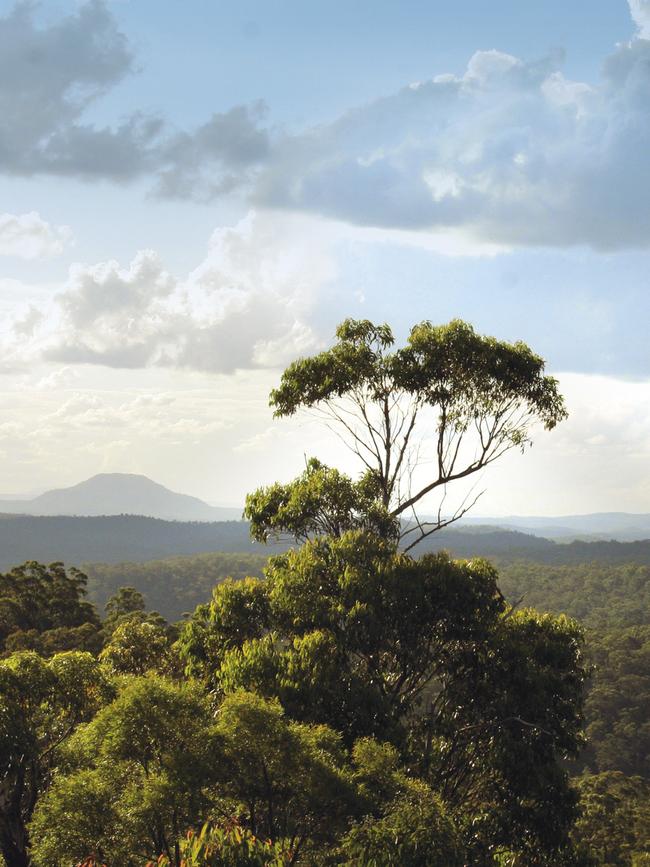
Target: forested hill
pixel 117 538
pixel 75 540
pixel 173 586
pixel 506 547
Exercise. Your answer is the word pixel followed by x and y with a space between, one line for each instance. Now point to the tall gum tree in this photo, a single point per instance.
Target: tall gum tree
pixel 438 410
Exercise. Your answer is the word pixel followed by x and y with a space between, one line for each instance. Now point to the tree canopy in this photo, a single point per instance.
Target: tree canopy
pixel 436 411
pixel 44 608
pixel 484 704
pixel 41 704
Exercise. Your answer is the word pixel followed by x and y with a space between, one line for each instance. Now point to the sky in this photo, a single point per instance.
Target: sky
pixel 194 194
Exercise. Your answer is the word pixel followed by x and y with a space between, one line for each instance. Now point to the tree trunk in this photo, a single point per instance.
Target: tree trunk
pixel 13 845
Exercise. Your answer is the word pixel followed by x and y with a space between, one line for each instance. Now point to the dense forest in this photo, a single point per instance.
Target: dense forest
pixel 131 538
pixel 44 612
pixel 586 590
pixel 173 586
pixel 351 702
pixel 611 602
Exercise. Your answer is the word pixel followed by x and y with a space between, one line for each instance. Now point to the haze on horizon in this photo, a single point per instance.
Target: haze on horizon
pixel 191 201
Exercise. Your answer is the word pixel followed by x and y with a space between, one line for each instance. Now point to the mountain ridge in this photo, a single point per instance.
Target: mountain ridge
pixel 118 538
pixel 590 526
pixel 107 494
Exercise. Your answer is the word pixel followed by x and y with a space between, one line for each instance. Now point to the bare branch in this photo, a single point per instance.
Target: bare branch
pixel 441 524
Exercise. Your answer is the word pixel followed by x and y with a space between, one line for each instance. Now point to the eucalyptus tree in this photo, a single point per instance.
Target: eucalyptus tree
pixel 482 703
pixel 41 704
pixel 418 418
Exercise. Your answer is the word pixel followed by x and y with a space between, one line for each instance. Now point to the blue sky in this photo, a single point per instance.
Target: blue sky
pixel 193 193
pixel 310 61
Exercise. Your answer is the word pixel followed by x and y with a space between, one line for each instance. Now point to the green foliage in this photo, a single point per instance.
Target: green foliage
pixel 287 778
pixel 158 763
pixel 229 846
pixel 85 637
pixel 352 631
pixel 618 705
pixel 614 603
pixel 177 584
pixel 151 754
pixel 43 608
pixel 446 365
pixel 413 831
pixel 485 703
pixel 123 605
pixel 463 398
pixel 322 501
pixel 614 821
pixel 77 820
pixel 137 646
pixel 529 695
pixel 41 703
pixel 241 610
pixel 599 594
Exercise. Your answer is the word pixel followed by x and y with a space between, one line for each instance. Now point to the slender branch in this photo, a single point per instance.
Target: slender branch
pixel 439 525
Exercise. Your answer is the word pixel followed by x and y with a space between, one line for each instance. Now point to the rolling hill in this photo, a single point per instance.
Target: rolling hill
pixel 620 526
pixel 117 538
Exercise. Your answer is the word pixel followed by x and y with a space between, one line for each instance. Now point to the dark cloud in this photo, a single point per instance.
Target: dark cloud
pixel 217 157
pixel 50 75
pixel 48 78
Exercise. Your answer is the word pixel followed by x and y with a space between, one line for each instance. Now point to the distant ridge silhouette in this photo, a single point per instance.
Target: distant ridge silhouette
pixel 119 494
pixel 120 538
pixel 597 526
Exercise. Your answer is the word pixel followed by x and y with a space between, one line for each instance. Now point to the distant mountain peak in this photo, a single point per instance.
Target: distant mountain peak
pixel 120 494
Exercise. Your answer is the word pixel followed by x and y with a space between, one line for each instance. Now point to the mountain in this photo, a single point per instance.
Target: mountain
pixel 620 526
pixel 119 494
pixel 131 494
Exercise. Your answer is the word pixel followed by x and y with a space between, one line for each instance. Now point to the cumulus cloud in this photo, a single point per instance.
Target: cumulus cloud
pixel 508 153
pixel 28 236
pixel 246 305
pixel 63 377
pixel 511 152
pixel 51 75
pixel 112 315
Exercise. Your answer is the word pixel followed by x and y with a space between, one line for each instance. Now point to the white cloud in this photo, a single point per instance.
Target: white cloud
pixel 596 461
pixel 640 12
pixel 63 377
pixel 29 236
pixel 509 153
pixel 246 305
